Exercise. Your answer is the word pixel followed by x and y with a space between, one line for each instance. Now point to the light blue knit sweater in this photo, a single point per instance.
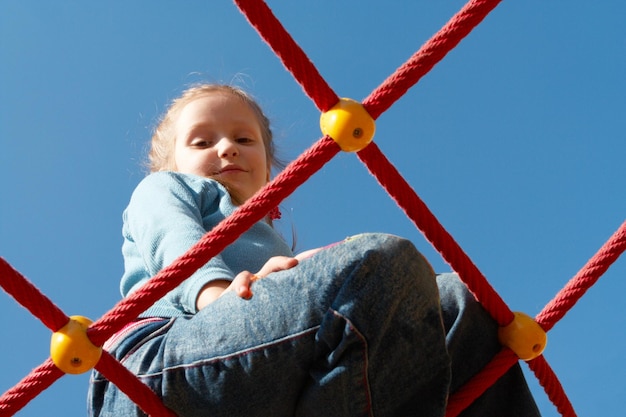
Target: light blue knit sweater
pixel 169 212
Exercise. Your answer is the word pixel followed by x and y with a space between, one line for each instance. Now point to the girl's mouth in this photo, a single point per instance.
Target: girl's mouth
pixel 230 169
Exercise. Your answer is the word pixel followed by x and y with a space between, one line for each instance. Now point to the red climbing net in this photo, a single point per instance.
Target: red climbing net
pixel 295 60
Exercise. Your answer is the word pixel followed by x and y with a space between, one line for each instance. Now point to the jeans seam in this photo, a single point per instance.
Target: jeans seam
pixel 365 361
pixel 233 355
pixel 147 338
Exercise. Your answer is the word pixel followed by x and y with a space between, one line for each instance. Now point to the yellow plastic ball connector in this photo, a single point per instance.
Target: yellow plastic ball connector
pixel 349 124
pixel 70 348
pixel 524 336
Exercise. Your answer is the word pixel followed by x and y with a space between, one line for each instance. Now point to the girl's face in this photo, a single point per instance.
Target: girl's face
pixel 218 136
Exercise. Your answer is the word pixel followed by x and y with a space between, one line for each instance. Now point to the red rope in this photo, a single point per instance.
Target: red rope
pixel 137 391
pixel 406 198
pixel 552 386
pixel 291 55
pixel 479 383
pixel 29 296
pixel 214 241
pixel 583 280
pixel 28 388
pixel 428 56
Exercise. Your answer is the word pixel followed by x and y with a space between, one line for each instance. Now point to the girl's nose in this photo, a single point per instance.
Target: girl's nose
pixel 227 148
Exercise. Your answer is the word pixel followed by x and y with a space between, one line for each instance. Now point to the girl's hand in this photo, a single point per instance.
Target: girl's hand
pixel 275 264
pixel 243 281
pixel 307 253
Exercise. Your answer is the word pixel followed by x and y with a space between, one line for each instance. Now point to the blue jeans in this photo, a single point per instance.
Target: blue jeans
pixel 355 330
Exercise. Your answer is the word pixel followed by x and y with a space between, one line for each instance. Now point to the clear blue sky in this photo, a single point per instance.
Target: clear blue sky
pixel 515 141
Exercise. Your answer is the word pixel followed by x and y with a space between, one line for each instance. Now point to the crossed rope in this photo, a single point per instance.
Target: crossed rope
pixel 295 60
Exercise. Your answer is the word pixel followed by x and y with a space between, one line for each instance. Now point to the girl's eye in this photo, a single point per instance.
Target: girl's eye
pixel 244 140
pixel 200 143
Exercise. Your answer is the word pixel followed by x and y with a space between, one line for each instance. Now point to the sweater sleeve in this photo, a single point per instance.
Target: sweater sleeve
pixel 162 221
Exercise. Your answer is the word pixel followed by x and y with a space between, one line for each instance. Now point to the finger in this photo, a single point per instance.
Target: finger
pixel 242 282
pixel 245 290
pixel 307 253
pixel 277 263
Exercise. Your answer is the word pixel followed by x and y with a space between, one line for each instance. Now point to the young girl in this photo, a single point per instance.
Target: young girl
pixel 361 328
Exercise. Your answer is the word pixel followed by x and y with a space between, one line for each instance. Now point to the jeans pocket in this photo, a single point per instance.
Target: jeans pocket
pixel 136 335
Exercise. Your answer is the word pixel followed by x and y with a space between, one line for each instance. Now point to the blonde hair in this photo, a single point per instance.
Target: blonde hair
pixel 161 155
